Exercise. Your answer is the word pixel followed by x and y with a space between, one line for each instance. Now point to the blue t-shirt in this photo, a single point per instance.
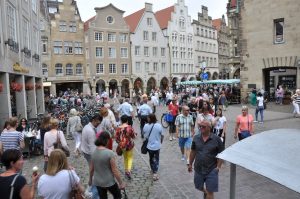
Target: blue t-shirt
pixel 154 142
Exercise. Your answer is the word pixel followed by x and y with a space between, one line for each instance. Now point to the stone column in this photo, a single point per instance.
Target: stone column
pixel 53 88
pixel 40 99
pixel 21 98
pixel 31 98
pixel 5 108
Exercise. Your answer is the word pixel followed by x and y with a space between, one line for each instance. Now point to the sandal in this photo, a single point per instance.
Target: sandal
pixel 155 177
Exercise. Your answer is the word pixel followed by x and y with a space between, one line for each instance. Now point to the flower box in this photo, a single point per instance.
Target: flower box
pixel 29 86
pixel 16 86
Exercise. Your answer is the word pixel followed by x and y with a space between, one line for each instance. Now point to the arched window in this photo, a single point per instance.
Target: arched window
pixel 45 70
pixel 174 36
pixel 58 69
pixel 79 69
pixel 69 69
pixel 181 22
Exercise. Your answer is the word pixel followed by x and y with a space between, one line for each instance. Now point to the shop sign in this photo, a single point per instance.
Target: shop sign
pixel 18 68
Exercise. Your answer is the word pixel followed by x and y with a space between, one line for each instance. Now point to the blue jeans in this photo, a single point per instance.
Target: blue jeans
pixel 154 160
pixel 259 109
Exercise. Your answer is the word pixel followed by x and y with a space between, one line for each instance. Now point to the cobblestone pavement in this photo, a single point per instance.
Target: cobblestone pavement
pixel 176 182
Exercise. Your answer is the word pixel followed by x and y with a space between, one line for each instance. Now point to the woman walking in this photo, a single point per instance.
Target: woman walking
pixel 296 103
pixel 103 169
pixel 59 179
pixel 14 185
pixel 73 123
pixel 244 125
pixel 154 133
pixel 259 108
pixel 220 126
pixel 125 136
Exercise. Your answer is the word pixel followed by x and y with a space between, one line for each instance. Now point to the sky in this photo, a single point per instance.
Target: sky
pixel 216 8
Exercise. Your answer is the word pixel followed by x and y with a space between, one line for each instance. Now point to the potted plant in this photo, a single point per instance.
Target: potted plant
pixel 16 86
pixel 29 86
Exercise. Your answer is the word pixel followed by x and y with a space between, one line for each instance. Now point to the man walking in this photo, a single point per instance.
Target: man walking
pixel 144 112
pixel 205 147
pixel 126 109
pixel 185 132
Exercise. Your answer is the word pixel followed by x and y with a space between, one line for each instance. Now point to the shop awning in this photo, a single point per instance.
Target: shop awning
pixel 274 154
pixel 217 81
pixel 46 84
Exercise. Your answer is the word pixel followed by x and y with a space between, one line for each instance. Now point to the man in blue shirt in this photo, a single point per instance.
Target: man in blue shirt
pixel 126 109
pixel 144 111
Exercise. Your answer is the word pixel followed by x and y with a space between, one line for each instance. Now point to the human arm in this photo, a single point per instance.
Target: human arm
pixel 91 173
pixel 28 192
pixel 192 157
pixel 236 129
pixel 63 140
pixel 21 140
pixel 219 164
pixel 116 172
pixel 224 129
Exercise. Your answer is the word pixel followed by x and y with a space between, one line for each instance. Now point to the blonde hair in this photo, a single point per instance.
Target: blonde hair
pixel 103 111
pixel 13 121
pixel 73 112
pixel 244 107
pixel 54 123
pixel 57 162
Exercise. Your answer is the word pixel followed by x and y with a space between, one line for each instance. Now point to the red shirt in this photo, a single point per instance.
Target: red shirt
pixel 174 109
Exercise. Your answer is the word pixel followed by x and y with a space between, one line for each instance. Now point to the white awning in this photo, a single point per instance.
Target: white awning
pixel 46 84
pixel 274 154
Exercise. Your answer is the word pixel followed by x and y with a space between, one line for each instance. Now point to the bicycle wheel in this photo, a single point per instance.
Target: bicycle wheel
pixel 164 123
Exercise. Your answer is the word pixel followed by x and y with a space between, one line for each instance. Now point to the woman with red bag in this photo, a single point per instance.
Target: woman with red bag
pixel 125 138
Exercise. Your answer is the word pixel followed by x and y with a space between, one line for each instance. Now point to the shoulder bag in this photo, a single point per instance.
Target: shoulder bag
pixel 144 149
pixel 75 190
pixel 12 187
pixel 78 127
pixel 58 145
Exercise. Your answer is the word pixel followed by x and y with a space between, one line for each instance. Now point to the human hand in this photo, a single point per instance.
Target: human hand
pixel 190 168
pixel 90 182
pixel 34 178
pixel 122 186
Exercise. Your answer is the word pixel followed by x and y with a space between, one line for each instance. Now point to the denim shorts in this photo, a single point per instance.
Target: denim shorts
pixel 211 181
pixel 185 142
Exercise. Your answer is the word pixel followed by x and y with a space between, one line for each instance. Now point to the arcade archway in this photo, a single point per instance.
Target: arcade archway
pixel 100 86
pixel 125 88
pixel 113 87
pixel 138 85
pixel 215 76
pixel 164 83
pixel 151 84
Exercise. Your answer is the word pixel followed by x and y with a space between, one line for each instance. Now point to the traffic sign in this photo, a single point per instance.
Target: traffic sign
pixel 204 76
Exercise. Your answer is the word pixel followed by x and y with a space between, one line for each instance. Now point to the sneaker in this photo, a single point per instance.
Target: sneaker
pixel 255 121
pixel 261 122
pixel 128 175
pixel 155 177
pixel 182 158
pixel 174 138
pixel 171 138
pixel 187 162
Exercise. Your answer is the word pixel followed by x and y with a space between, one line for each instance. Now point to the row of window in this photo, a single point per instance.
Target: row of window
pixel 137 51
pixel 111 37
pixel 145 67
pixel 211 62
pixel 69 47
pixel 112 52
pixel 182 53
pixel 182 38
pixel 68 70
pixel 112 68
pixel 204 32
pixel 185 68
pixel 208 47
pixel 70 27
pixel 146 36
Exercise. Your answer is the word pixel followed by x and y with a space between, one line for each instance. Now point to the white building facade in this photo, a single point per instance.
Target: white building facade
pixel 206 44
pixel 180 33
pixel 21 90
pixel 149 51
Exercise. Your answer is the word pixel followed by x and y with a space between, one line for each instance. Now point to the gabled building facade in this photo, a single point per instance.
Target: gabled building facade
pixel 150 52
pixel 108 51
pixel 223 44
pixel 21 90
pixel 206 44
pixel 67 71
pixel 176 25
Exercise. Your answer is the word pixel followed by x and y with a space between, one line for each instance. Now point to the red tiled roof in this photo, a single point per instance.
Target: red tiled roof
pixel 134 19
pixel 164 16
pixel 217 23
pixel 87 23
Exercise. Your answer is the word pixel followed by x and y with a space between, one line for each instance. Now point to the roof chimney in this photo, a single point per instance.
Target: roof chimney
pixel 148 7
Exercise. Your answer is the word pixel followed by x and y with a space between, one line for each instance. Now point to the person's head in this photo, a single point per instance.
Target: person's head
pixel 219 112
pixel 145 98
pixel 103 139
pixel 124 119
pixel 23 121
pixel 13 122
pixel 46 122
pixel 298 91
pixel 107 105
pixel 174 100
pixel 96 120
pixel 185 110
pixel 104 112
pixel 205 127
pixel 259 94
pixel 12 159
pixel 6 125
pixel 57 161
pixel 152 119
pixel 127 100
pixel 73 112
pixel 206 106
pixel 54 123
pixel 193 100
pixel 244 110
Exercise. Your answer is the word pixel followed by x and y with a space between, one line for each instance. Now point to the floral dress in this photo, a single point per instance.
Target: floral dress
pixel 125 138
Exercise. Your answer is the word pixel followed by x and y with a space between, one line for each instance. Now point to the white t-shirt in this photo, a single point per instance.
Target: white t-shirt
pixel 260 101
pixel 58 186
pixel 220 123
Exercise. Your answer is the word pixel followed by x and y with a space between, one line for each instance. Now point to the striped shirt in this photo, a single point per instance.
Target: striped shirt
pixel 11 140
pixel 184 124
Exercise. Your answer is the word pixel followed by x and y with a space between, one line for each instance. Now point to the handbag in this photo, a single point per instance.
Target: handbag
pixel 119 151
pixel 58 145
pixel 75 191
pixel 78 127
pixel 144 149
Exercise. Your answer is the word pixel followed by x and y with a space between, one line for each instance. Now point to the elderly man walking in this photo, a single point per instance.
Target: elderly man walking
pixel 205 147
pixel 144 111
pixel 185 132
pixel 126 109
